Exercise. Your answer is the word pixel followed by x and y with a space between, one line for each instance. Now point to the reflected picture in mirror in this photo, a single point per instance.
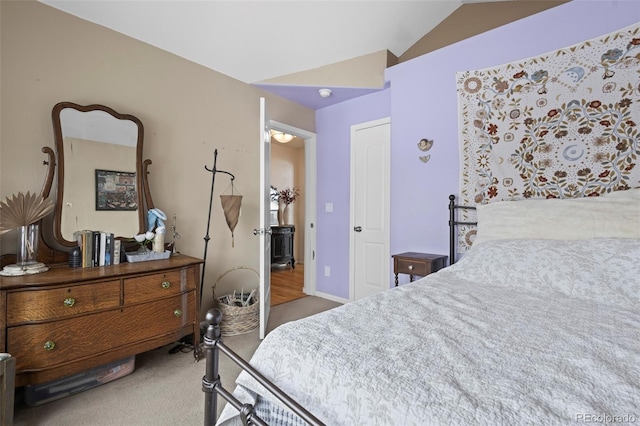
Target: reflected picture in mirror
pixel 116 190
pixel 99 171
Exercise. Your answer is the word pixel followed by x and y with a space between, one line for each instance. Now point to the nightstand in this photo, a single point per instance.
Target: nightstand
pixel 414 263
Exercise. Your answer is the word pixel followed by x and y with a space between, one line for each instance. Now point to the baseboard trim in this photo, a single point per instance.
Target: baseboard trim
pixel 331 297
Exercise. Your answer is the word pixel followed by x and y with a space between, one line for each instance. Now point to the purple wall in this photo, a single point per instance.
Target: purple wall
pixel 423 104
pixel 333 160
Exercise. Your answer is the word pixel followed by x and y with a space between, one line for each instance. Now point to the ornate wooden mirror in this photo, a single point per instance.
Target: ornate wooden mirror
pixel 101 182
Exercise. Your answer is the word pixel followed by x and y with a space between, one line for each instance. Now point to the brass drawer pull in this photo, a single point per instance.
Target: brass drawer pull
pixel 69 302
pixel 410 267
pixel 166 284
pixel 177 313
pixel 48 346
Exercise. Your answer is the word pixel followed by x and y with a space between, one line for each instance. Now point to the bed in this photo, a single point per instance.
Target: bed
pixel 537 323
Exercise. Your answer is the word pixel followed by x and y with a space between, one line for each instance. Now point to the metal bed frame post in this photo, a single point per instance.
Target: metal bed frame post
pixel 212 386
pixel 452 226
pixel 211 378
pixel 452 229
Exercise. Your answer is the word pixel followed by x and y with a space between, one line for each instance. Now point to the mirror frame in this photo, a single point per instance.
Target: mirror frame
pixel 141 185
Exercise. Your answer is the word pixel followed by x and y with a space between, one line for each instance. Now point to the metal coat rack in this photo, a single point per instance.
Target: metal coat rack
pixel 213 171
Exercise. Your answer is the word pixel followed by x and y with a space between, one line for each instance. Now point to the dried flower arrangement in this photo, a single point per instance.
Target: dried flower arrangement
pixel 22 210
pixel 274 195
pixel 289 195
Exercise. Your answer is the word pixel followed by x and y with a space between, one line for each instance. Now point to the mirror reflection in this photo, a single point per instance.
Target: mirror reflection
pixel 99 171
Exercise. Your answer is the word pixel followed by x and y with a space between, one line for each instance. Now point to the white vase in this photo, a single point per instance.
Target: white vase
pixel 288 214
pixel 27 245
pixel 281 208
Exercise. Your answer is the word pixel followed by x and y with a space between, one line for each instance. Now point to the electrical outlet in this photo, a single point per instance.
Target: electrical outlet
pixel 327 271
pixel 328 207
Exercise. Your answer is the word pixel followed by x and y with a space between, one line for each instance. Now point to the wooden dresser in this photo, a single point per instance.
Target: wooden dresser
pixel 68 320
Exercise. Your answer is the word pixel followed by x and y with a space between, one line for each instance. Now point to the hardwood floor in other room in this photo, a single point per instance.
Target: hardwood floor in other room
pixel 286 284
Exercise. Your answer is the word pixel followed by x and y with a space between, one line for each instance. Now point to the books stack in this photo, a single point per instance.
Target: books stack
pixel 98 248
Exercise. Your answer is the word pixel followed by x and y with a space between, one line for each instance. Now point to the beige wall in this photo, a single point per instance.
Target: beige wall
pixel 363 71
pixel 187 110
pixel 472 19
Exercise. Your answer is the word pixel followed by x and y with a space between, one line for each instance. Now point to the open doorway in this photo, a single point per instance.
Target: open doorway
pixel 287 271
pixel 293 231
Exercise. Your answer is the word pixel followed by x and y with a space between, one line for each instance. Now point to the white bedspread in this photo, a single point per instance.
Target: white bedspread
pixel 542 332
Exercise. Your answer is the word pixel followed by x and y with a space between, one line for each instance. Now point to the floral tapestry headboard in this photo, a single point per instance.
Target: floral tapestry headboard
pixel 561 125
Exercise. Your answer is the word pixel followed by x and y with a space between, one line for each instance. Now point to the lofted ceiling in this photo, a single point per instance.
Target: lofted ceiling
pixel 254 41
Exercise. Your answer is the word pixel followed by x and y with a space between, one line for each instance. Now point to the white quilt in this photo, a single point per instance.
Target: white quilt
pixel 517 332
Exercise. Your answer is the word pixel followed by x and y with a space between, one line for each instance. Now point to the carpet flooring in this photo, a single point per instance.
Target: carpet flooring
pixel 164 389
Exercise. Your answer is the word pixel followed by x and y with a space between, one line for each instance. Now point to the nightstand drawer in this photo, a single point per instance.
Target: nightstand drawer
pixel 412 266
pixel 413 263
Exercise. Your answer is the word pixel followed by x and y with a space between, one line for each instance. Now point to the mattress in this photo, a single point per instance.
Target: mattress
pixel 517 332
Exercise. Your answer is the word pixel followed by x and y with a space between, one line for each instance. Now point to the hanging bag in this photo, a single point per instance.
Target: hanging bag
pixel 231 206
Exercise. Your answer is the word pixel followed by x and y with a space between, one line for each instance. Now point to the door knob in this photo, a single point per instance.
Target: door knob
pixel 357 228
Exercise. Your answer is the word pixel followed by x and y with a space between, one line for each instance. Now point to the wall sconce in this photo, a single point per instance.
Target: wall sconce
pixel 281 137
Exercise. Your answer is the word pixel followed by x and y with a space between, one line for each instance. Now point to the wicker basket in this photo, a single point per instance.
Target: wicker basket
pixel 237 319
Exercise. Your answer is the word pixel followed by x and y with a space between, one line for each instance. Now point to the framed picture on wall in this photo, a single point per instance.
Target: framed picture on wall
pixel 116 190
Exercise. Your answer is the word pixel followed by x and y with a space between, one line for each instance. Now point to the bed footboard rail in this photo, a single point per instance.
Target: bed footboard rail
pixel 212 386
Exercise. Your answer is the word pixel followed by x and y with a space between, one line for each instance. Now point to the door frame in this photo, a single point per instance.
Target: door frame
pixel 310 183
pixel 387 189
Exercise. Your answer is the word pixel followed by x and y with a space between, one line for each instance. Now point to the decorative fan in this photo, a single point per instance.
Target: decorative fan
pixel 22 210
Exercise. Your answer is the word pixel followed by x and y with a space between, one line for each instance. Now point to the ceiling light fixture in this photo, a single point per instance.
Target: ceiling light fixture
pixel 325 93
pixel 282 137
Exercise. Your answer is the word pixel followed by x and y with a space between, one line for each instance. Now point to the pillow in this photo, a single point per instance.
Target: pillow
pixel 606 270
pixel 614 215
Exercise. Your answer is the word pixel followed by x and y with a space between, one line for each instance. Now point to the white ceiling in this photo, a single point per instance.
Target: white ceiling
pixel 253 41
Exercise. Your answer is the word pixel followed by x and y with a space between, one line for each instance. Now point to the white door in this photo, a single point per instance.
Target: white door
pixel 370 210
pixel 264 232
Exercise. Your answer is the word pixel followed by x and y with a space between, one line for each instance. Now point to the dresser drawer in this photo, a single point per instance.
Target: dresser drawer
pixel 40 346
pixel 40 305
pixel 151 287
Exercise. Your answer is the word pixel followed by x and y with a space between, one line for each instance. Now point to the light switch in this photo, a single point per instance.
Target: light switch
pixel 328 207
